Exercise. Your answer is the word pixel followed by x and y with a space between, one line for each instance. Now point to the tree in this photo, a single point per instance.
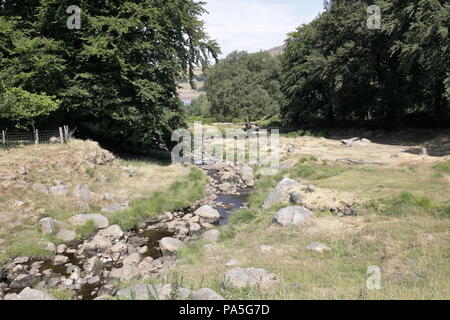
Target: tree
pixel 336 68
pixel 200 106
pixel 116 76
pixel 244 86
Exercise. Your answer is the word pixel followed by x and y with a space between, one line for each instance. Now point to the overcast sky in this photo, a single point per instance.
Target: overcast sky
pixel 252 25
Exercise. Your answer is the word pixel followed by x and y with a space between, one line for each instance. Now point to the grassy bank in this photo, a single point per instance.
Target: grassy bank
pixel 402 228
pixel 26 240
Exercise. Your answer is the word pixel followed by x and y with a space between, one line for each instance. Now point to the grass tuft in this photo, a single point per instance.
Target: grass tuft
pixel 178 196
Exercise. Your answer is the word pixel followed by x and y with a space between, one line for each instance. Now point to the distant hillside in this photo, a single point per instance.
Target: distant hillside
pixel 276 51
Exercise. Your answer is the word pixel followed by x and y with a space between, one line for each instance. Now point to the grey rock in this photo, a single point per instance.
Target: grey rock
pixel 99 220
pixel 170 245
pixel 82 192
pixel 94 280
pixel 207 214
pixel 21 260
pixel 66 235
pixel 132 260
pixel 60 190
pixel 211 235
pixel 107 290
pixel 93 266
pixel 194 228
pixel 98 243
pixel 50 226
pixel 113 233
pixel 23 281
pixel 310 188
pixel 251 277
pixel 293 216
pixel 32 294
pixel 356 142
pixel 280 194
pixel 318 247
pixel 206 294
pixel 61 248
pixel 126 273
pixel 232 263
pixel 22 171
pixel 137 241
pixel 296 198
pixel 60 260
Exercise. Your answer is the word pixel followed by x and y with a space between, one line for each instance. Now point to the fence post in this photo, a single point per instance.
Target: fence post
pixel 66 133
pixel 61 135
pixel 3 137
pixel 36 140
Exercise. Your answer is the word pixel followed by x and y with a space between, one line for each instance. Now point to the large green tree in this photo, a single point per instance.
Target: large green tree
pixel 244 86
pixel 336 68
pixel 116 76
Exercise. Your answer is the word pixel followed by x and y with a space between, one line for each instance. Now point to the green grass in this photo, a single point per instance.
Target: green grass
pixel 86 230
pixel 191 253
pixel 63 294
pixel 23 241
pixel 442 168
pixel 406 204
pixel 178 196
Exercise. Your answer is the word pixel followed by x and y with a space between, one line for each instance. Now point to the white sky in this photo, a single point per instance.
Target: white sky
pixel 252 25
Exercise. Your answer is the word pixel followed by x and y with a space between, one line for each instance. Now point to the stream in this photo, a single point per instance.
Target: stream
pixel 145 236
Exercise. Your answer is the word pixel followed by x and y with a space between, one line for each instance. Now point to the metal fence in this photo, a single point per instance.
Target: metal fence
pixel 12 139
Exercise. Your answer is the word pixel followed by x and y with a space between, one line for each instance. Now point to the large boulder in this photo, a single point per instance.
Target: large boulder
pixel 50 226
pixel 170 245
pixel 66 235
pixel 99 243
pixel 99 220
pixel 126 273
pixel 206 294
pixel 207 214
pixel 113 233
pixel 281 193
pixel 32 294
pixel 23 281
pixel 251 277
pixel 293 216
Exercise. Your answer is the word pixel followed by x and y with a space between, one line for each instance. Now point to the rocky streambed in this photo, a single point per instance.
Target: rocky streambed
pixel 90 268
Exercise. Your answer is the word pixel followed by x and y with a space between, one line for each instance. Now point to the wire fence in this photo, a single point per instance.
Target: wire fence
pixel 36 137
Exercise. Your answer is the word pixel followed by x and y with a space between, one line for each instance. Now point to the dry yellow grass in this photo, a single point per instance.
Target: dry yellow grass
pixel 77 163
